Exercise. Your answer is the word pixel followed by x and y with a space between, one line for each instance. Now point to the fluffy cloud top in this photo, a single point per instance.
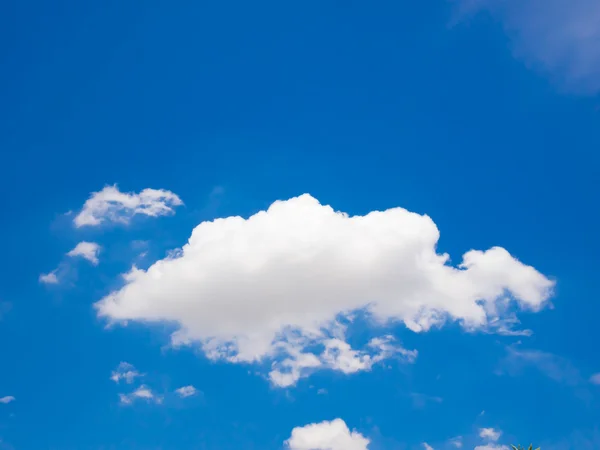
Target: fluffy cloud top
pixel 126 372
pixel 86 250
pixel 490 434
pixel 333 435
pixel 558 36
pixel 186 391
pixel 112 205
pixel 7 399
pixel 276 284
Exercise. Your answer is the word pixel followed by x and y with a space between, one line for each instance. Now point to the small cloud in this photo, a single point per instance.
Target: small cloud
pixel 490 434
pixel 456 442
pixel 426 446
pixel 334 435
pixel 126 372
pixel 49 278
pixel 595 379
pixel 6 400
pixel 492 447
pixel 322 391
pixel 112 205
pixel 186 391
pixel 141 393
pixel 86 250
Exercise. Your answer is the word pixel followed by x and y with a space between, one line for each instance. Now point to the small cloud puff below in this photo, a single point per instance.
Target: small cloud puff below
pixel 334 435
pixel 489 434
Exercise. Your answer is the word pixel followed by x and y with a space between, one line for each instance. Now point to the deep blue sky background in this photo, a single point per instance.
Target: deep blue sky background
pixel 365 106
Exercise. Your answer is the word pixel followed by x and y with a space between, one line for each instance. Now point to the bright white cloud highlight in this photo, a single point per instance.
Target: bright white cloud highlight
pixel 559 37
pixel 6 400
pixel 186 391
pixel 112 205
pixel 49 278
pixel 492 447
pixel 286 280
pixel 125 372
pixel 333 435
pixel 141 393
pixel 86 250
pixel 426 446
pixel 490 434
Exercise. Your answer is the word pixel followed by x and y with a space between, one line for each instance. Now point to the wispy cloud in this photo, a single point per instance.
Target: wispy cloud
pixel 141 393
pixel 421 400
pixel 112 205
pixel 7 399
pixel 456 442
pixel 553 366
pixel 558 37
pixel 125 372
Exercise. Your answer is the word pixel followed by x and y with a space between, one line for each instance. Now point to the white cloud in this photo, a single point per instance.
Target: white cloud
pixel 426 446
pixel 126 372
pixel 87 250
pixel 333 435
pixel 143 393
pixel 336 355
pixel 492 447
pixel 490 434
pixel 595 379
pixel 7 399
pixel 558 37
pixel 112 205
pixel 281 282
pixel 49 278
pixel 186 391
pixel 457 441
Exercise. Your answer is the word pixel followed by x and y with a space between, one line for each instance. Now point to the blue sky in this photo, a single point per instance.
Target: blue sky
pixel 463 314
